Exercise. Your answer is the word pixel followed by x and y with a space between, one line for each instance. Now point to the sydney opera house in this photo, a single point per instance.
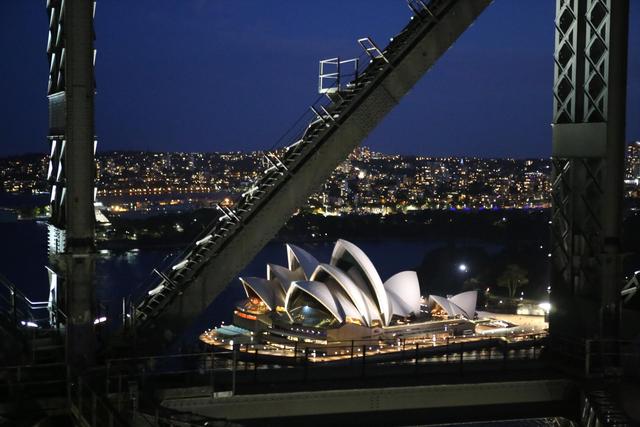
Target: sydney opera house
pixel 344 299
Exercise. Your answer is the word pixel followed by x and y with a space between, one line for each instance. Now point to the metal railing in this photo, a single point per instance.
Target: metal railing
pixel 125 390
pixel 332 72
pixel 36 379
pixel 596 358
pixel 121 390
pixel 92 408
pixel 18 309
pixel 122 373
pixel 88 401
pixel 600 408
pixel 396 351
pixel 223 372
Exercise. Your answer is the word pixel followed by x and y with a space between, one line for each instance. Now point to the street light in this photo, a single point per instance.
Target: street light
pixel 463 268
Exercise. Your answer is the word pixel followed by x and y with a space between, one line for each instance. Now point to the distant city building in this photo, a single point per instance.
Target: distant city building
pixel 632 173
pixel 367 183
pixel 633 161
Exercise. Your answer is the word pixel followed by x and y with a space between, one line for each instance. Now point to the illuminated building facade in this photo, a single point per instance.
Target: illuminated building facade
pixel 344 299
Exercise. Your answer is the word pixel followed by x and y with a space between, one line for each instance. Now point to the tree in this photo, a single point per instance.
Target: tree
pixel 471 283
pixel 512 278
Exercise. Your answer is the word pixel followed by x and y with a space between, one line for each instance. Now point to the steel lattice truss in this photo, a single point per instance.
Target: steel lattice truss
pixel 581 97
pixel 576 226
pixel 596 61
pixel 565 73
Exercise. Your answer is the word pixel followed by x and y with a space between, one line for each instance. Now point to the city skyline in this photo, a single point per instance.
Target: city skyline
pixel 368 182
pixel 178 106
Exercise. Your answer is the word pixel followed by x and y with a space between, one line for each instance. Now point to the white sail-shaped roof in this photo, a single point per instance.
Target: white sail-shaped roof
pixel 451 305
pixel 367 309
pixel 268 291
pixel 283 275
pixel 299 258
pixel 467 302
pixel 355 274
pixel 345 305
pixel 349 287
pixel 398 307
pixel 318 291
pixel 403 290
pixel 346 256
pixel 450 308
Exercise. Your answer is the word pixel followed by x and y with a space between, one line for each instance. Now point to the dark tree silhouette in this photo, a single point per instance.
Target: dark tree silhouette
pixel 512 278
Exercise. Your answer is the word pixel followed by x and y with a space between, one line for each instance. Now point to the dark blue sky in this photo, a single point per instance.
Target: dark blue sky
pixel 217 75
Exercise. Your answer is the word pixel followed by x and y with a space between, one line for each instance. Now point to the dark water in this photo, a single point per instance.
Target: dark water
pixel 23 256
pixel 8 200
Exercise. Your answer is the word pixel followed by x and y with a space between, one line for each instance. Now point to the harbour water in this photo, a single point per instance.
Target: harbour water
pixel 23 255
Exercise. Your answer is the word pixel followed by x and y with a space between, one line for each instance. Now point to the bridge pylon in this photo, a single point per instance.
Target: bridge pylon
pixel 71 173
pixel 589 112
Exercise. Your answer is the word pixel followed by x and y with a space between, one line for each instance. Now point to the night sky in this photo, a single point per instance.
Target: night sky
pixel 221 75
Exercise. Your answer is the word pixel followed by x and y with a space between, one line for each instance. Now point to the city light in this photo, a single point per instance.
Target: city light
pixel 545 306
pixel 463 268
pixel 100 320
pixel 28 324
pixel 357 186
